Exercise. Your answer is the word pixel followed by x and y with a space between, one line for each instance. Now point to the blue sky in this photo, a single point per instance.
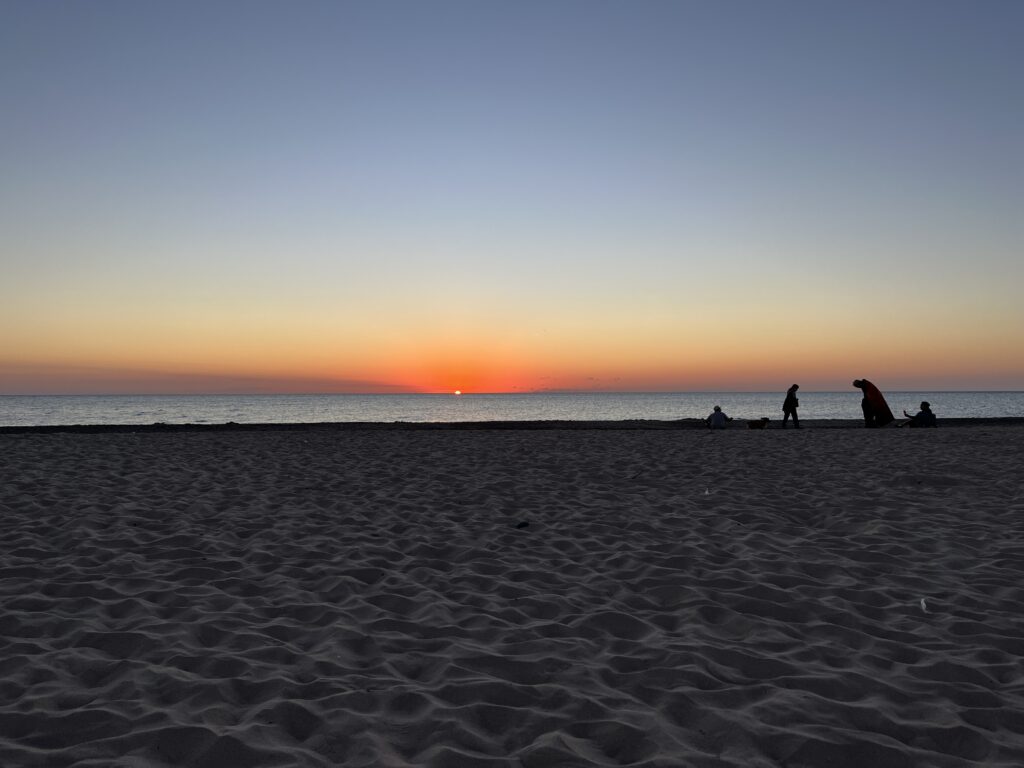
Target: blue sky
pixel 327 186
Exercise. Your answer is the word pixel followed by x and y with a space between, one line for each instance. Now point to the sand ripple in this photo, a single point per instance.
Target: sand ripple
pixel 838 598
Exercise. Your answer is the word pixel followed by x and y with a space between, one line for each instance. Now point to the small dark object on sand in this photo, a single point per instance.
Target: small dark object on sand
pixel 761 423
pixel 523 524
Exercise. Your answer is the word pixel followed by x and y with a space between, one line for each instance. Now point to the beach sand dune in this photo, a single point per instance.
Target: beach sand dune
pixel 840 598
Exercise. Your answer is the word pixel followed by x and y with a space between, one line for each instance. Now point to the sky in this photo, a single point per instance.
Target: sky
pixel 510 196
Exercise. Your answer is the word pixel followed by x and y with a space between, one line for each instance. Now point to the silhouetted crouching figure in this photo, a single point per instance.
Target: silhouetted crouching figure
pixel 876 410
pixel 923 418
pixel 717 419
pixel 789 406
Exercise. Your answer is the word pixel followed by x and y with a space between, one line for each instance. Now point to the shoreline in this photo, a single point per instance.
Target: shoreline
pixel 532 425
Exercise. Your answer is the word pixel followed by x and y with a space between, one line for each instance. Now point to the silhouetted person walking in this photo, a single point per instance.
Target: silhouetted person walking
pixel 876 410
pixel 789 406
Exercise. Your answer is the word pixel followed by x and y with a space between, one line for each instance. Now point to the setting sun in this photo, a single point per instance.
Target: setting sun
pixel 491 234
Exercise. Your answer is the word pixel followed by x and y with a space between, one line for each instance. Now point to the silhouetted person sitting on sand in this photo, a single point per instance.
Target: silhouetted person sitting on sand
pixel 923 418
pixel 789 406
pixel 876 410
pixel 717 419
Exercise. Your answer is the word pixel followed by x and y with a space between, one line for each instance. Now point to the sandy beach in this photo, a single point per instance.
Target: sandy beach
pixel 484 597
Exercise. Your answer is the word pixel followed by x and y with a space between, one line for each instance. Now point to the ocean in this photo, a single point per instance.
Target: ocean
pixel 40 410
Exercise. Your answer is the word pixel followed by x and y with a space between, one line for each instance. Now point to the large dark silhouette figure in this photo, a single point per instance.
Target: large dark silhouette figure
pixel 876 410
pixel 789 406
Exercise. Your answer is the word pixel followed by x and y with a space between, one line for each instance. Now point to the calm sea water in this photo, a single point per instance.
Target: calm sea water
pixel 217 409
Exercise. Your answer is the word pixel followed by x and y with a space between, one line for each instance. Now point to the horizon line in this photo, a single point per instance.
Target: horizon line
pixel 451 393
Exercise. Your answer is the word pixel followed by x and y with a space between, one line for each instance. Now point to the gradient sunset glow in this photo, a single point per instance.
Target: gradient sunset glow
pixel 508 197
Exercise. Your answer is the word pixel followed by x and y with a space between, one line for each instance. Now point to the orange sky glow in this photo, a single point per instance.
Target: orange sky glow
pixel 510 197
pixel 479 365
